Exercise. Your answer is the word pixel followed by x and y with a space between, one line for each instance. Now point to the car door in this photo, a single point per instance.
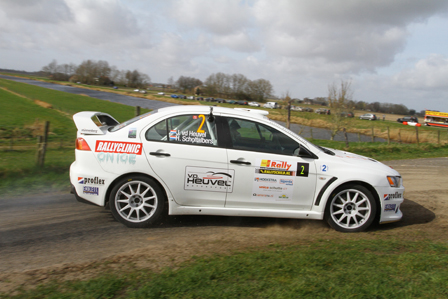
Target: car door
pixel 183 152
pixel 267 173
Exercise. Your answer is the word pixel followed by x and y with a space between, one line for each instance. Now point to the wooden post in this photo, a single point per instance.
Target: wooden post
pixel 137 110
pixel 346 138
pixel 42 146
pixel 438 137
pixel 311 132
pixel 416 135
pixel 288 120
pixel 359 137
pixel 399 135
pixel 388 136
pixel 373 135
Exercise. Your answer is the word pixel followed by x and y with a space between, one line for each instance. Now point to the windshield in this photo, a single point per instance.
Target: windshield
pixel 132 120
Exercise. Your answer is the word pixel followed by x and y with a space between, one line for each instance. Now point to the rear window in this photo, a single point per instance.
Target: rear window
pixel 131 121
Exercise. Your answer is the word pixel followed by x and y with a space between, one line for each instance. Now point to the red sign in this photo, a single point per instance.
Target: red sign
pixel 118 147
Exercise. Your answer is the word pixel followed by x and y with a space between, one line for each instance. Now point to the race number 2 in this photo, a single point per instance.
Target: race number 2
pixel 303 169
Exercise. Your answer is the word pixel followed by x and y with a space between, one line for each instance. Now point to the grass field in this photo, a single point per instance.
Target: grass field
pixel 321 269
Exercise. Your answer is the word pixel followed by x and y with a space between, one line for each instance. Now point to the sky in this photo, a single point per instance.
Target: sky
pixel 391 51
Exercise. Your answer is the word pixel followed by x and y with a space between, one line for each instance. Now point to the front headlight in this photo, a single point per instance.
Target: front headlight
pixel 394 181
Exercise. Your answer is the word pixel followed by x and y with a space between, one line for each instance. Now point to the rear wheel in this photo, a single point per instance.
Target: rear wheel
pixel 137 201
pixel 351 209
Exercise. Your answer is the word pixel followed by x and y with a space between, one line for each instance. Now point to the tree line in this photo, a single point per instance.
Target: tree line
pixel 96 73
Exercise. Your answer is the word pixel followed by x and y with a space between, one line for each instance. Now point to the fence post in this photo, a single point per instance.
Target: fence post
pixel 346 138
pixel 438 137
pixel 399 135
pixel 359 137
pixel 311 132
pixel 42 146
pixel 416 135
pixel 388 136
pixel 137 110
pixel 373 135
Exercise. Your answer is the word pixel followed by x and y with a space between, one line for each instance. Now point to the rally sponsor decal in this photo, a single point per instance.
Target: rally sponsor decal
pixel 395 195
pixel 90 181
pixel 390 207
pixel 132 133
pixel 90 190
pixel 274 180
pixel 117 158
pixel 265 180
pixel 209 179
pixel 118 147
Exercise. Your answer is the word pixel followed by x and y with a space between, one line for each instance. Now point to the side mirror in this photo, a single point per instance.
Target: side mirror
pixel 303 153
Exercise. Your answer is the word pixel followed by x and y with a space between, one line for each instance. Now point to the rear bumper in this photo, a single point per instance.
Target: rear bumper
pixel 79 198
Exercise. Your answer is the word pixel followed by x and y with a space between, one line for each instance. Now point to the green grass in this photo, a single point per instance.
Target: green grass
pixel 321 269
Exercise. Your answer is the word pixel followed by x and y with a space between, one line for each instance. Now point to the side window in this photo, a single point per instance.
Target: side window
pixel 190 129
pixel 253 136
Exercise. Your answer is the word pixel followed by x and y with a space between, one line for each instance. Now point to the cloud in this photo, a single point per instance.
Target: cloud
pixel 429 73
pixel 355 36
pixel 39 11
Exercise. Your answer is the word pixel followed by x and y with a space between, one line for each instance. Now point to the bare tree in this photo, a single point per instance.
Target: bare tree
pixel 339 101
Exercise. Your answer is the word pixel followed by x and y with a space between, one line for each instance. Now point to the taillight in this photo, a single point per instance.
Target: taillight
pixel 82 145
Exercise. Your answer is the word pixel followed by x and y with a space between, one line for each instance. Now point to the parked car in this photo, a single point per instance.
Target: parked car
pixel 412 119
pixel 296 108
pixel 368 116
pixel 142 91
pixel 181 96
pixel 241 102
pixel 347 114
pixel 322 111
pixel 175 96
pixel 253 104
pixel 136 90
pixel 201 160
pixel 209 99
pixel 271 105
pixel 218 100
pixel 199 98
pixel 230 101
pixel 161 93
pixel 308 109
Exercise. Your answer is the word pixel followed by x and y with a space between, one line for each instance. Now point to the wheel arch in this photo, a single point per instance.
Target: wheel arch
pixel 112 185
pixel 369 187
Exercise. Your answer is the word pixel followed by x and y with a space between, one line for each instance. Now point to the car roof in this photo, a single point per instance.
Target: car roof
pixel 243 112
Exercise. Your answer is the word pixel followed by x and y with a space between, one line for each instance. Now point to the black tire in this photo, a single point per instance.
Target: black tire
pixel 351 208
pixel 137 201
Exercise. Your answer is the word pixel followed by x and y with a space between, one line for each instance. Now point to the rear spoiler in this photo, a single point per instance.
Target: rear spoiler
pixel 85 124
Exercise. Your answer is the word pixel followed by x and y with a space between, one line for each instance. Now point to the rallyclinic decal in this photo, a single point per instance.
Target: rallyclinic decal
pixel 118 152
pixel 274 180
pixel 209 179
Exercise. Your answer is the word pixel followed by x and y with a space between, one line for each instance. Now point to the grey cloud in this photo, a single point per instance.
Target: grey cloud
pixel 40 11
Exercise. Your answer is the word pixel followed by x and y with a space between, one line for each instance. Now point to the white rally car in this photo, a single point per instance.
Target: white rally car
pixel 201 160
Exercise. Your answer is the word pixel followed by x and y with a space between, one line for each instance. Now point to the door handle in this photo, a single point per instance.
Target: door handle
pixel 159 154
pixel 239 162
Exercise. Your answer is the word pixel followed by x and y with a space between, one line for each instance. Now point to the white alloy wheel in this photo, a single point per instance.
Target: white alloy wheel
pixel 136 202
pixel 351 209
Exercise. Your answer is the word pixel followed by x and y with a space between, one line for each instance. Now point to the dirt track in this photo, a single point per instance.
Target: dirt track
pixel 55 237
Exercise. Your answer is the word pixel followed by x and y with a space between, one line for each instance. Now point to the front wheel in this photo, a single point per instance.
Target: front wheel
pixel 137 201
pixel 351 209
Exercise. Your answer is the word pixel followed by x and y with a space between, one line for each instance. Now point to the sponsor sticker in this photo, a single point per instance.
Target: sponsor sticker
pixel 390 208
pixel 90 181
pixel 288 182
pixel 118 147
pixel 265 180
pixel 395 195
pixel 117 158
pixel 90 190
pixel 209 179
pixel 132 133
